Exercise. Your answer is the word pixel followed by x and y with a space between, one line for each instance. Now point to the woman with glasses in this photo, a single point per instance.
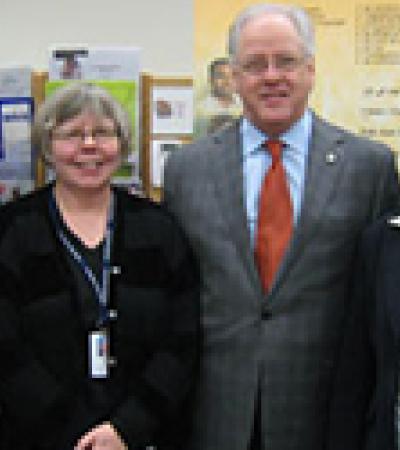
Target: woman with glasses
pixel 99 320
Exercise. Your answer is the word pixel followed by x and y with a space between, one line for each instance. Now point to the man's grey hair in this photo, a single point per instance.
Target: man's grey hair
pixel 71 100
pixel 299 18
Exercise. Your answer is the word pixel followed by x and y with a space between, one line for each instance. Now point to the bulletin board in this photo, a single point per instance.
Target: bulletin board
pixel 39 80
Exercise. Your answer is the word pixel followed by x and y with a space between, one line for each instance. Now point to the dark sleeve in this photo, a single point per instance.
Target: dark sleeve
pixel 170 374
pixel 388 190
pixel 35 404
pixel 354 378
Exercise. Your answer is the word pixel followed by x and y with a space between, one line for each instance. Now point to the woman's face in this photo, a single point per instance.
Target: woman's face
pixel 85 151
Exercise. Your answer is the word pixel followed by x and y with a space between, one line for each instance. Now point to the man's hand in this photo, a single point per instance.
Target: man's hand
pixel 102 437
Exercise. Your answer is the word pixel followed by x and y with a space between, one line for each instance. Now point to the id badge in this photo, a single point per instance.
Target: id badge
pixel 98 354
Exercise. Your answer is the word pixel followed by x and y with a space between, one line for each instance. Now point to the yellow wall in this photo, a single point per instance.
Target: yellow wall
pixel 359 95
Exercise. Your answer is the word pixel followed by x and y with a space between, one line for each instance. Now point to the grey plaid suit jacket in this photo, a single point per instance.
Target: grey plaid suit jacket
pixel 281 347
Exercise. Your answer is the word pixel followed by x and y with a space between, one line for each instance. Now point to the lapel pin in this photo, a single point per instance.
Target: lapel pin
pixel 116 270
pixel 331 157
pixel 394 221
pixel 112 314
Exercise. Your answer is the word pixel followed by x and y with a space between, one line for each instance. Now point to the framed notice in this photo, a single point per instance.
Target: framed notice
pixel 160 152
pixel 167 124
pixel 172 109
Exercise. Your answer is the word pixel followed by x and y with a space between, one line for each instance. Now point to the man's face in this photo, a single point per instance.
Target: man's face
pixel 221 82
pixel 272 74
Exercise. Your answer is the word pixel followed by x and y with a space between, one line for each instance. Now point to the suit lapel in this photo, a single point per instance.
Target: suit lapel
pixel 325 164
pixel 227 171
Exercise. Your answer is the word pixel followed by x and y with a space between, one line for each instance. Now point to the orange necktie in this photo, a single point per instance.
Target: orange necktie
pixel 275 218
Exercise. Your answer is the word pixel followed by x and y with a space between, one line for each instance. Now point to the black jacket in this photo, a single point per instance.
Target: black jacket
pixel 44 387
pixel 366 384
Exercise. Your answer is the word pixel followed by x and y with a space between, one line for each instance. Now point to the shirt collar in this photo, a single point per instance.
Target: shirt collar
pixel 297 137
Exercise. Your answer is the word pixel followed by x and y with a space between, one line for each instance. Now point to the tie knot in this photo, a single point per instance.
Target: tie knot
pixel 275 149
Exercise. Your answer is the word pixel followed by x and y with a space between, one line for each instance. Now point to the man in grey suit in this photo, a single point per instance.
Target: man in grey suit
pixel 269 357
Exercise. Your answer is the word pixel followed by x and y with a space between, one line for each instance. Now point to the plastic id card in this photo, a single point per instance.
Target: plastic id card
pixel 98 354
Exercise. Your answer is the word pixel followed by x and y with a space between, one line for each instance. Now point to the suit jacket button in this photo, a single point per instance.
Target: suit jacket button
pixel 266 314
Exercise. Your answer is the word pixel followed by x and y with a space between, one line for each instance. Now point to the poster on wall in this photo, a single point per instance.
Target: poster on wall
pixel 15 82
pixel 357 81
pixel 172 110
pixel 218 104
pixel 17 172
pixel 83 62
pixel 117 69
pixel 160 152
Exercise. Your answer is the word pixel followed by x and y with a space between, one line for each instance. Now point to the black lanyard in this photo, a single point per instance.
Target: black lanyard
pixel 101 287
